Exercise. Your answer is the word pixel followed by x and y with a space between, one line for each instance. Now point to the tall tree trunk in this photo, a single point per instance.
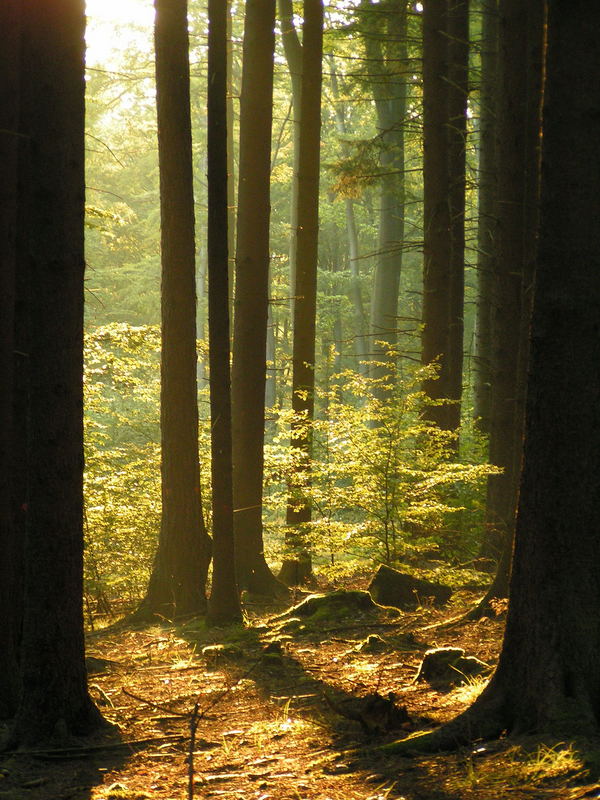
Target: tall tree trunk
pixel 297 568
pixel 355 293
pixel 224 603
pixel 293 55
pixel 54 702
pixel 252 298
pixel 518 123
pixel 436 211
pixel 177 583
pixel 385 43
pixel 458 91
pixel 486 212
pixel 9 156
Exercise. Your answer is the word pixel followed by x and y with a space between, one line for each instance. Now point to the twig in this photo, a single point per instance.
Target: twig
pixel 197 715
pixel 74 752
pixel 194 720
pixel 159 706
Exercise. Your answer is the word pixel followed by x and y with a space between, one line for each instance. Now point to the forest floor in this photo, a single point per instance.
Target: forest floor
pixel 283 710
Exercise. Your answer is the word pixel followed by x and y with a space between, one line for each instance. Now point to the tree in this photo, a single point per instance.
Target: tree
pixel 54 701
pixel 436 211
pixel 224 603
pixel 518 126
pixel 384 34
pixel 486 214
pixel 297 568
pixel 252 298
pixel 547 679
pixel 458 92
pixel 181 564
pixel 9 153
pixel 445 87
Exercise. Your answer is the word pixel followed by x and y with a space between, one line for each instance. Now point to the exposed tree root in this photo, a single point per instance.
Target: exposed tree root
pixel 485 719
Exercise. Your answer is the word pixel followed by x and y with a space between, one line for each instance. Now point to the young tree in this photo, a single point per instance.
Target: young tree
pixel 224 603
pixel 178 579
pixel 547 677
pixel 297 568
pixel 252 298
pixel 9 153
pixel 54 701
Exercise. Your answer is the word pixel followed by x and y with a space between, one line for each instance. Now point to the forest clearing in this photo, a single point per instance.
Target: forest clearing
pixel 263 729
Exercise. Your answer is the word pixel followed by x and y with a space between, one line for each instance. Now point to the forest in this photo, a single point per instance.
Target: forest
pixel 300 401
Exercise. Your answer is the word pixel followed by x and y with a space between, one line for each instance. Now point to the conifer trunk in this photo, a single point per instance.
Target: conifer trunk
pixel 177 583
pixel 297 568
pixel 224 603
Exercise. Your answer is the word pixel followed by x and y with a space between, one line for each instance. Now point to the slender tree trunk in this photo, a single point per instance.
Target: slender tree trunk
pixel 437 274
pixel 297 568
pixel 486 231
pixel 458 91
pixel 177 584
pixel 10 611
pixel 293 55
pixel 355 293
pixel 54 702
pixel 224 603
pixel 547 676
pixel 385 43
pixel 252 298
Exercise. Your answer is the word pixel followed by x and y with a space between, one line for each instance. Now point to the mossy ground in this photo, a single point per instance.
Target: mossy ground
pixel 264 731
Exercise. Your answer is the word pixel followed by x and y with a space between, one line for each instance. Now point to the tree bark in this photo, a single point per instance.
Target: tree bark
pixel 224 603
pixel 486 215
pixel 297 568
pixel 436 209
pixel 518 125
pixel 54 702
pixel 10 611
pixel 177 583
pixel 252 299
pixel 458 92
pixel 385 43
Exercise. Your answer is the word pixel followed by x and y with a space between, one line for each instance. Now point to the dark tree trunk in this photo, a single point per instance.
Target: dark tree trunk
pixel 436 211
pixel 518 125
pixel 293 55
pixel 297 569
pixel 547 678
pixel 224 603
pixel 252 298
pixel 458 90
pixel 55 702
pixel 9 153
pixel 177 583
pixel 486 223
